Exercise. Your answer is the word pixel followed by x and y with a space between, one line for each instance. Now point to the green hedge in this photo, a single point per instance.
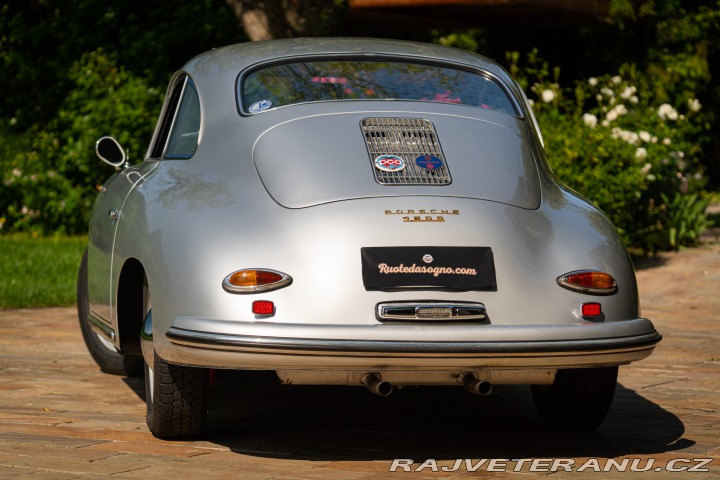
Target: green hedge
pixel 635 157
pixel 50 180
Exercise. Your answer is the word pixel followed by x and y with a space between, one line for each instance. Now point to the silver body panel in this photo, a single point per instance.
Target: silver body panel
pixel 292 189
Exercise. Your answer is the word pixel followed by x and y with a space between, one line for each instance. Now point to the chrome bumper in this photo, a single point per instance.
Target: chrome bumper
pixel 204 342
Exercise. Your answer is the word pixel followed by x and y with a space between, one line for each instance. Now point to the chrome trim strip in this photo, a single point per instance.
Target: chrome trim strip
pixel 310 346
pixel 101 327
pixel 430 311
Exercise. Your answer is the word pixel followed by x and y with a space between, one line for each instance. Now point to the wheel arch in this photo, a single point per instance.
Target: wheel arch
pixel 130 306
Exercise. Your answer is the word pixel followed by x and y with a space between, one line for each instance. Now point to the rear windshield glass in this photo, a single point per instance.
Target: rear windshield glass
pixel 302 82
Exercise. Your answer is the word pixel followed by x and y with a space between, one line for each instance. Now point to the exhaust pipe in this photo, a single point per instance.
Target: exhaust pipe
pixel 475 385
pixel 376 385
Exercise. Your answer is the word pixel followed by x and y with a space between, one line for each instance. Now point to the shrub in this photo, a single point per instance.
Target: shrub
pixel 611 139
pixel 50 186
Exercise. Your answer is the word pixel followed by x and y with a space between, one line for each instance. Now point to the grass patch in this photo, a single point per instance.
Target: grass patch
pixel 39 272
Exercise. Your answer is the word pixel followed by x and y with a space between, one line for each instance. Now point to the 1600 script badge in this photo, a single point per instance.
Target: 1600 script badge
pixel 423 215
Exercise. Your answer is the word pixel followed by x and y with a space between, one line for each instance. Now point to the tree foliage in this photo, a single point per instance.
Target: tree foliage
pixel 50 186
pixel 268 19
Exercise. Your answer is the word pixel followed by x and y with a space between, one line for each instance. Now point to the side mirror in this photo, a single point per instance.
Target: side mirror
pixel 110 152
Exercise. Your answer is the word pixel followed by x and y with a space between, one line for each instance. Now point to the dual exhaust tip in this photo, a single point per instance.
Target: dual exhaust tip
pixel 378 386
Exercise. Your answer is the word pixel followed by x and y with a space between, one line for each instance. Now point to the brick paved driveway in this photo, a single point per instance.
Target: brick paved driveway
pixel 61 418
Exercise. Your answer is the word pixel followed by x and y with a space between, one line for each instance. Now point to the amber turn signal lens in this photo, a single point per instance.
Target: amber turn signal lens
pixel 251 280
pixel 589 281
pixel 254 278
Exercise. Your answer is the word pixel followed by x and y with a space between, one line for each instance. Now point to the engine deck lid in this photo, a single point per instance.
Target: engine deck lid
pixel 328 158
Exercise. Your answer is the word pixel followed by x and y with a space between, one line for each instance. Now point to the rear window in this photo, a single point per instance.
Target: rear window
pixel 317 81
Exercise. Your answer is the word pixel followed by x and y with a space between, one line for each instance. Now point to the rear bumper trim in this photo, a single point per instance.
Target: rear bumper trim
pixel 354 347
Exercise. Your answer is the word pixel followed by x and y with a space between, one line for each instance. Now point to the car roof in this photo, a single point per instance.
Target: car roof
pixel 233 59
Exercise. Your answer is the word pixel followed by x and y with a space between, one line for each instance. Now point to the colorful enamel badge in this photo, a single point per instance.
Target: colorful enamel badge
pixel 389 163
pixel 429 162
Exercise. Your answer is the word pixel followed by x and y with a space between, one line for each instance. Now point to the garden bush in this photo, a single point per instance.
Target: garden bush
pixel 633 155
pixel 50 185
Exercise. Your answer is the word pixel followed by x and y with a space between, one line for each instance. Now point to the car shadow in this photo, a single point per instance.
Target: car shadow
pixel 252 414
pixel 647 263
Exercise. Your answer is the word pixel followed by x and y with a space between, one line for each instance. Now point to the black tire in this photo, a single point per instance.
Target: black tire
pixel 578 400
pixel 176 399
pixel 105 355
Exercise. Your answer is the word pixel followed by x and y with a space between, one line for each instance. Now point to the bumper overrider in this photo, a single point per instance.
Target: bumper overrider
pixel 233 344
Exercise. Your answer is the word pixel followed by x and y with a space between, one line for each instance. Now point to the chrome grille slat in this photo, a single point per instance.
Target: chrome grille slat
pixel 408 138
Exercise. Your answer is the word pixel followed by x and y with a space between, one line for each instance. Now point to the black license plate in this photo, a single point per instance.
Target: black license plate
pixel 455 268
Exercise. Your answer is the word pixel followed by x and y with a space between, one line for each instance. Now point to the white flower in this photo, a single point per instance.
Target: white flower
pixel 605 123
pixel 666 141
pixel 645 136
pixel 640 154
pixel 616 79
pixel 628 92
pixel 24 210
pixel 531 102
pixel 16 172
pixel 607 92
pixel 646 169
pixel 590 120
pixel 599 97
pixel 634 99
pixel 667 112
pixel 592 81
pixel 617 111
pixel 694 105
pixel 548 96
pixel 630 137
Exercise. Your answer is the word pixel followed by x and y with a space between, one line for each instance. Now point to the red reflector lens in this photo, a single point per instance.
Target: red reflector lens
pixel 263 307
pixel 591 309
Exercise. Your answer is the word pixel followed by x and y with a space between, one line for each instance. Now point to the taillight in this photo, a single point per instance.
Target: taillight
pixel 589 281
pixel 253 280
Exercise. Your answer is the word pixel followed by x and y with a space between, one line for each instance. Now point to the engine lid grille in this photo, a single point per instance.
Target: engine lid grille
pixel 409 139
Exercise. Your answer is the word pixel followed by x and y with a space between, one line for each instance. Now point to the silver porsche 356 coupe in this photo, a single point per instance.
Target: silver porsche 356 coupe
pixel 354 212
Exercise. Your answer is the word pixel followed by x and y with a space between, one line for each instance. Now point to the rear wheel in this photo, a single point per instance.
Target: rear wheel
pixel 176 396
pixel 578 400
pixel 101 349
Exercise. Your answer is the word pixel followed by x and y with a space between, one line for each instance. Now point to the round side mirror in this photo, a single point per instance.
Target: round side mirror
pixel 110 152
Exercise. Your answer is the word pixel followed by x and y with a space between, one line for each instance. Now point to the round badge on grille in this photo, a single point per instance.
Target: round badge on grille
pixel 389 163
pixel 428 258
pixel 429 162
